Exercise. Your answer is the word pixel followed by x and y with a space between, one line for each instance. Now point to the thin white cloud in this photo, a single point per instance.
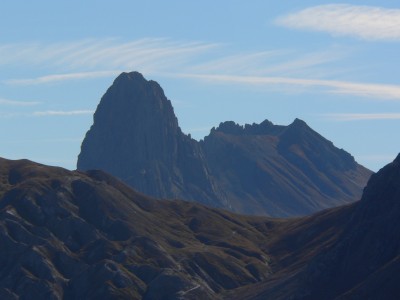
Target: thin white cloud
pixel 46 113
pixel 376 91
pixel 362 117
pixel 48 140
pixel 270 62
pixel 62 113
pixel 17 103
pixel 146 55
pixel 109 57
pixel 104 53
pixel 62 77
pixel 259 63
pixel 238 63
pixel 365 22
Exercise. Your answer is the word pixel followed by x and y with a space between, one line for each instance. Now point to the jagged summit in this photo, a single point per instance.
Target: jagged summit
pixel 256 168
pixel 230 127
pixel 134 75
pixel 298 122
pixel 265 127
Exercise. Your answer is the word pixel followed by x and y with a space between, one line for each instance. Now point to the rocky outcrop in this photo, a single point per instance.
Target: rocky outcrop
pixel 281 170
pixel 70 235
pixel 135 136
pixel 254 169
pixel 76 235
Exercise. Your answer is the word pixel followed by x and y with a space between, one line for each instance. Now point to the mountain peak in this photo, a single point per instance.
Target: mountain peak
pixel 298 123
pixel 131 75
pixel 126 118
pixel 135 136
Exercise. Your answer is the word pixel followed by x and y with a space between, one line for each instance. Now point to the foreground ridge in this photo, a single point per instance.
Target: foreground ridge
pixel 69 235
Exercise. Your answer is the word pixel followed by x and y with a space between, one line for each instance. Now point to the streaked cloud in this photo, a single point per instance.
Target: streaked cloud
pixel 17 103
pixel 48 140
pixel 377 91
pixel 365 22
pixel 62 77
pixel 286 70
pixel 142 54
pixel 46 113
pixel 362 117
pixel 269 62
pixel 238 63
pixel 62 113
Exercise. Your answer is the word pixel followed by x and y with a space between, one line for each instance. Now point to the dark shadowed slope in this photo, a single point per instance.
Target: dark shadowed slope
pixel 256 169
pixel 75 235
pixel 72 235
pixel 361 261
pixel 281 170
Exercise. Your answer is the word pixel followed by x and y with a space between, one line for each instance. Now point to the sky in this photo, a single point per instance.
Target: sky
pixel 334 65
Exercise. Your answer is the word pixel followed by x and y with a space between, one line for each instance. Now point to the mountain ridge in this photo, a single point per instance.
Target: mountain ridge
pixel 70 234
pixel 136 137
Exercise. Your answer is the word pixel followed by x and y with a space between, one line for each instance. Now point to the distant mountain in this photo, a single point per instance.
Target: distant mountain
pixel 135 137
pixel 76 235
pixel 253 169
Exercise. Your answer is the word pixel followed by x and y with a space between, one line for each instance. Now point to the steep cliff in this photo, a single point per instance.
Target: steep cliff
pixel 135 136
pixel 255 169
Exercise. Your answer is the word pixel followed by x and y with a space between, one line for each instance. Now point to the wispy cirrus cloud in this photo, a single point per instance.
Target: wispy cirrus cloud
pixel 62 113
pixel 46 113
pixel 362 116
pixel 61 77
pixel 17 103
pixel 377 91
pixel 365 22
pixel 48 140
pixel 269 62
pixel 104 53
pixel 283 69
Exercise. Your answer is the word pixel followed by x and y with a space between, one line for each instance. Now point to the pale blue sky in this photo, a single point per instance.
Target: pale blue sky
pixel 333 64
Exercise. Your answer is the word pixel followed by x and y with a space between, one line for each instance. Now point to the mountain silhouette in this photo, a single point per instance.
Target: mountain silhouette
pixel 254 169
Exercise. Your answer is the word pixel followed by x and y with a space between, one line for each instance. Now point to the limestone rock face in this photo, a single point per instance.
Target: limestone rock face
pixel 135 136
pixel 254 169
pixel 281 170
